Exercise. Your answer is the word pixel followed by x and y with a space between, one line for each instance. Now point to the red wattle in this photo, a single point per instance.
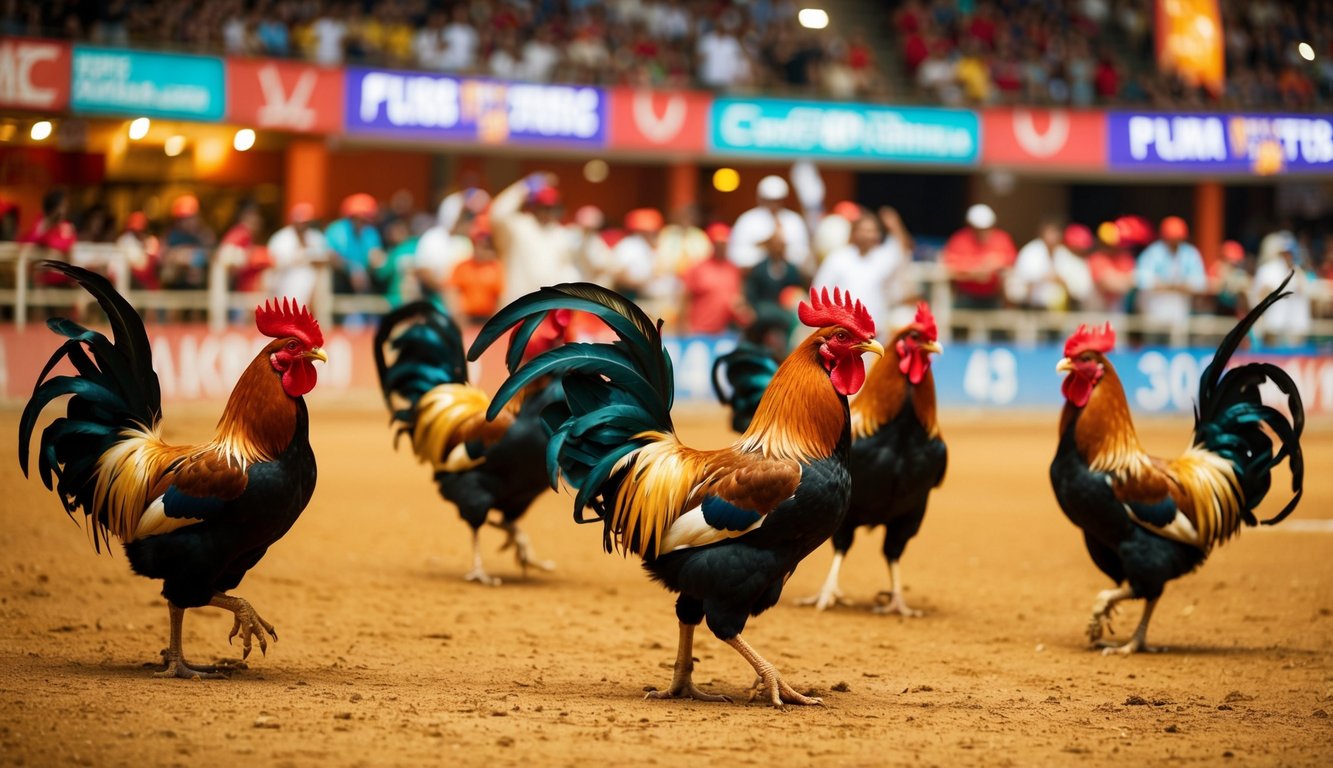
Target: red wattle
pixel 1077 389
pixel 913 363
pixel 300 378
pixel 848 375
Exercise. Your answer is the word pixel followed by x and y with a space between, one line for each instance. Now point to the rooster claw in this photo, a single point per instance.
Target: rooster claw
pixel 481 577
pixel 249 625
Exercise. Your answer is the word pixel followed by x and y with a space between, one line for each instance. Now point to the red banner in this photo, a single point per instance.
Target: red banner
pixel 665 121
pixel 284 96
pixel 1044 137
pixel 34 74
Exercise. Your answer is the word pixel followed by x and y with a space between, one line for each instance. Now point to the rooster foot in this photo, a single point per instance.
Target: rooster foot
pixel 221 665
pixel 686 689
pixel 780 693
pixel 250 625
pixel 177 668
pixel 523 552
pixel 481 577
pixel 827 598
pixel 888 602
pixel 1103 610
pixel 1135 645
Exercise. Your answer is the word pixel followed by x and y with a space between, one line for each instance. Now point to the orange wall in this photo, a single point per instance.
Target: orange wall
pixel 379 173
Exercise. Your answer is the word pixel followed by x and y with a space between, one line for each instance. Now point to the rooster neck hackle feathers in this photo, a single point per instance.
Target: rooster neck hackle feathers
pixel 885 393
pixel 1104 432
pixel 260 418
pixel 802 417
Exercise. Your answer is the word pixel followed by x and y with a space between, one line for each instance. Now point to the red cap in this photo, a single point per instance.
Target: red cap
pixel 481 226
pixel 589 217
pixel 1233 252
pixel 1174 228
pixel 302 213
pixel 848 210
pixel 137 222
pixel 643 220
pixel 1078 237
pixel 547 196
pixel 718 232
pixel 185 205
pixel 1134 230
pixel 360 204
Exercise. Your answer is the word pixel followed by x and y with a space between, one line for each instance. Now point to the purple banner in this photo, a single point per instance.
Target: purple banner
pixel 1259 144
pixel 466 109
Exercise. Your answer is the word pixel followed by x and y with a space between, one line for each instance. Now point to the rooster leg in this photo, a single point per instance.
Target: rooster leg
pixel 779 691
pixel 478 573
pixel 248 623
pixel 523 548
pixel 829 594
pixel 682 682
pixel 896 603
pixel 1138 642
pixel 1102 610
pixel 175 658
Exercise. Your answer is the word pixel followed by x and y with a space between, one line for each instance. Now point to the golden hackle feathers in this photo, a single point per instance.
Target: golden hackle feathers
pixel 801 417
pixel 662 479
pixel 448 416
pixel 129 478
pixel 887 391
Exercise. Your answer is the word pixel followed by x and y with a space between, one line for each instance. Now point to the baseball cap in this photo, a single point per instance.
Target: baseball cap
pixel 773 188
pixel 981 216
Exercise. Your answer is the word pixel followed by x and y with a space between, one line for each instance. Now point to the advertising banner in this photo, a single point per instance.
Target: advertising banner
pixel 446 108
pixel 1189 42
pixel 1226 143
pixel 34 74
pixel 662 121
pixel 1044 138
pixel 815 129
pixel 117 81
pixel 284 96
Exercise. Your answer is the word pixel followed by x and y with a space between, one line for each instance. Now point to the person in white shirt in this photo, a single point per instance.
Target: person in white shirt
pixel 1048 274
pixel 642 273
pixel 330 34
pixel 535 248
pixel 461 42
pixel 297 251
pixel 834 230
pixel 873 266
pixel 593 259
pixel 540 57
pixel 1286 323
pixel 722 61
pixel 428 44
pixel 768 223
pixel 446 244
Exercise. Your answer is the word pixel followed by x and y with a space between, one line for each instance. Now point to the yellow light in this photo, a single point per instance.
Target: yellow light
pixel 41 130
pixel 726 180
pixel 813 18
pixel 139 127
pixel 596 171
pixel 174 145
pixel 1306 51
pixel 245 138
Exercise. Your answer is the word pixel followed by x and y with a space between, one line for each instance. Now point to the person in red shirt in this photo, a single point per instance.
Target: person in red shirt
pixel 247 260
pixel 478 282
pixel 1112 268
pixel 976 257
pixel 713 299
pixel 53 232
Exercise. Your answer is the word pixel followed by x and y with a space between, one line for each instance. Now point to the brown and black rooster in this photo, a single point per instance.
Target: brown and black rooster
pixel 198 517
pixel 1145 520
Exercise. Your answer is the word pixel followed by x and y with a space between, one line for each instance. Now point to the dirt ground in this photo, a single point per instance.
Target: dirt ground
pixel 387 658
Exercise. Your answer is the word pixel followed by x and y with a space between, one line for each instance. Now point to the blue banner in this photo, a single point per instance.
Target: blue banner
pixel 446 108
pixel 118 81
pixel 815 129
pixel 1260 144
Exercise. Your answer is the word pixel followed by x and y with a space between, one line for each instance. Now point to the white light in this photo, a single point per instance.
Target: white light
pixel 41 130
pixel 174 145
pixel 245 138
pixel 139 128
pixel 813 18
pixel 1306 51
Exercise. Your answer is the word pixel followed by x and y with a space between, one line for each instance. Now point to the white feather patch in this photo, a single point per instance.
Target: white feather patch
pixel 154 520
pixel 1179 529
pixel 458 460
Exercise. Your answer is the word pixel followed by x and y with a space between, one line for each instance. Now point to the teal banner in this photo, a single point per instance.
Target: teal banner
pixel 820 129
pixel 133 83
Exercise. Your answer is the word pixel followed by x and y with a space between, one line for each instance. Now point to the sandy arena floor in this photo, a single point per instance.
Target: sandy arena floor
pixel 388 658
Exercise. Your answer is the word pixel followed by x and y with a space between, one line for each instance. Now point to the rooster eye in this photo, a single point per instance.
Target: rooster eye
pixel 840 335
pixel 293 345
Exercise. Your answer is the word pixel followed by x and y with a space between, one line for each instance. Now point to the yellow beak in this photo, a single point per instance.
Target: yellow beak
pixel 933 347
pixel 1064 366
pixel 870 346
pixel 317 354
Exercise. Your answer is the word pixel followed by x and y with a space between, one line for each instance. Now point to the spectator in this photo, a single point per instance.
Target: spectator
pixel 478 281
pixel 461 42
pixel 445 245
pixel 640 274
pixel 329 36
pixel 398 272
pixel 1287 322
pixel 976 258
pixel 722 59
pixel 834 229
pixel 712 297
pixel 772 288
pixel 273 36
pixel 528 236
pixel 540 56
pixel 1050 273
pixel 873 266
pixel 593 259
pixel 1229 282
pixel 770 229
pixel 1169 275
pixel 429 45
pixel 189 243
pixel 682 244
pixel 238 250
pixel 53 232
pixel 9 220
pixel 143 255
pixel 297 250
pixel 1112 268
pixel 355 247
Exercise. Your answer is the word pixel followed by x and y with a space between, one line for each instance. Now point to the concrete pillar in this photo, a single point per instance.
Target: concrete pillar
pixel 306 177
pixel 1209 219
pixel 682 185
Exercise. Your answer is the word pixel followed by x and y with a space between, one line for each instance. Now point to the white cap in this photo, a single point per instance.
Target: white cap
pixel 773 188
pixel 981 216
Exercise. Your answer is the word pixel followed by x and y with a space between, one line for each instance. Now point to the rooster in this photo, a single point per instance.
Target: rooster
pixel 479 465
pixel 1146 520
pixel 725 528
pixel 198 517
pixel 897 455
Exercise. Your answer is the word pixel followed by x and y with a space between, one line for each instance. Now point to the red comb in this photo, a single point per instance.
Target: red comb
pixel 280 320
pixel 925 322
pixel 843 310
pixel 1094 339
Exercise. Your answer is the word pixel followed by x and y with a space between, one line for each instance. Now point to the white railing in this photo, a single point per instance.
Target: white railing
pixel 219 302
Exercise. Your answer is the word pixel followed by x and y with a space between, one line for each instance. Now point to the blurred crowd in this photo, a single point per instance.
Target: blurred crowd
pixel 477 251
pixel 1101 52
pixel 718 44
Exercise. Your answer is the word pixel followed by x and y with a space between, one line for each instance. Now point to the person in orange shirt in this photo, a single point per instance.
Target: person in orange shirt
pixel 977 256
pixel 478 282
